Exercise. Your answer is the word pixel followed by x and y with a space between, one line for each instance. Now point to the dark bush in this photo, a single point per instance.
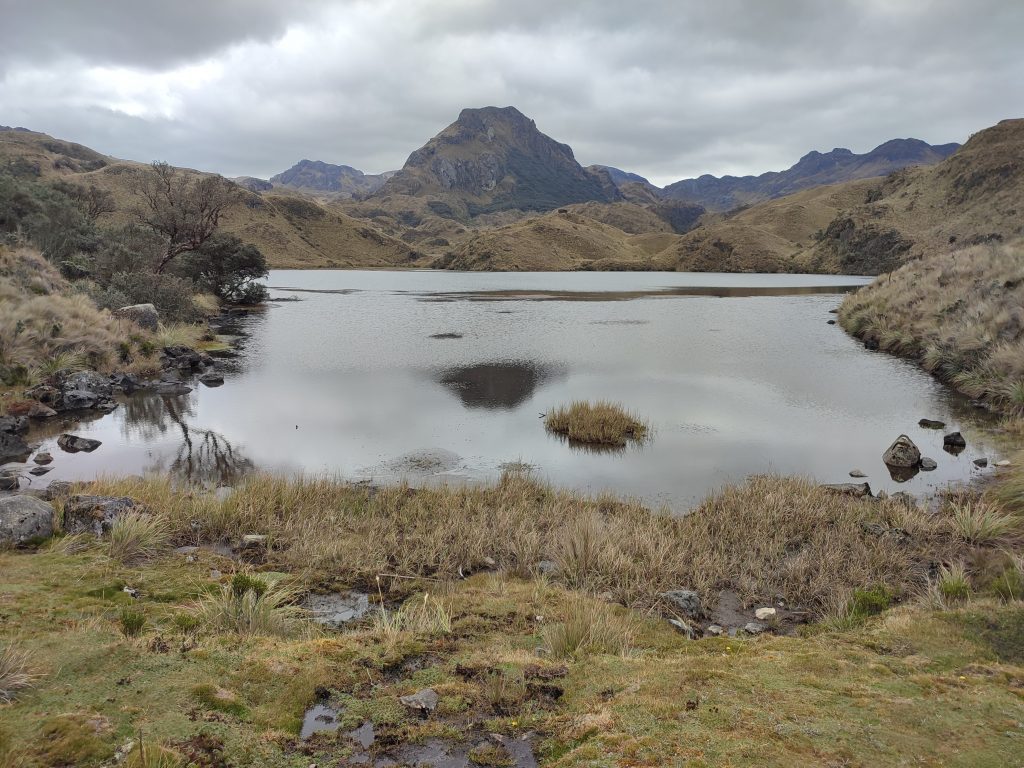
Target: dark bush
pixel 172 296
pixel 227 268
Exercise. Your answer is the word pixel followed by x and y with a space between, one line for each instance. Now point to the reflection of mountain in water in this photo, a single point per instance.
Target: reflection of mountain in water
pixel 503 384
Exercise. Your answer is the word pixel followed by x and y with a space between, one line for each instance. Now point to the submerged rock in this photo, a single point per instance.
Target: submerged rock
pixel 980 463
pixel 902 453
pixel 172 388
pixel 211 379
pixel 74 443
pixel 24 519
pixel 928 464
pixel 9 481
pixel 13 425
pixel 954 440
pixel 857 473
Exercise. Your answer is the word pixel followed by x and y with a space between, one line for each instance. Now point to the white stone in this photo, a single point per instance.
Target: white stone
pixel 764 613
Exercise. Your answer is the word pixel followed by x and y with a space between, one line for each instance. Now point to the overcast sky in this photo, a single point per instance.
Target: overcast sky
pixel 664 88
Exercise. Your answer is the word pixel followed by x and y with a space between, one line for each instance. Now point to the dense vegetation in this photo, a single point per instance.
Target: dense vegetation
pixel 168 254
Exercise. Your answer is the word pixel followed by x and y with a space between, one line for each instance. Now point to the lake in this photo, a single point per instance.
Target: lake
pixel 444 376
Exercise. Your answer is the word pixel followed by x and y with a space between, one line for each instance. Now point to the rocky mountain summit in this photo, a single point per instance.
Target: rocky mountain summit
pixel 494 159
pixel 317 176
pixel 812 170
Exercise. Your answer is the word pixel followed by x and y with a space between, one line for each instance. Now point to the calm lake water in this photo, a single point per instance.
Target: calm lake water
pixel 738 374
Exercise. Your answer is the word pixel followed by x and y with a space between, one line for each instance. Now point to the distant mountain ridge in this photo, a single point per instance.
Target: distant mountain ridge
pixel 495 159
pixel 318 176
pixel 812 170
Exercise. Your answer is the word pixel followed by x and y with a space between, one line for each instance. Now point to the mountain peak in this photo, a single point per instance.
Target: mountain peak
pixel 493 159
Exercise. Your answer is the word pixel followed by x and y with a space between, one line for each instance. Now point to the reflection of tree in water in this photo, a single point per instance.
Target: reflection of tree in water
pixel 203 456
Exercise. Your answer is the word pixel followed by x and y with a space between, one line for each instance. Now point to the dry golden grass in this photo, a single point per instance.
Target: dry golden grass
pixel 769 535
pixel 600 423
pixel 41 326
pixel 16 673
pixel 959 313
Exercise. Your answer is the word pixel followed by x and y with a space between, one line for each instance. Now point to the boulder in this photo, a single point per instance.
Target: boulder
pixel 42 458
pixel 685 601
pixel 125 382
pixel 928 464
pixel 143 315
pixel 74 390
pixel 902 453
pixel 24 519
pixel 182 358
pixel 423 701
pixel 95 513
pixel 857 490
pixel 13 425
pixel 211 379
pixel 954 440
pixel 931 424
pixel 74 443
pixel 12 448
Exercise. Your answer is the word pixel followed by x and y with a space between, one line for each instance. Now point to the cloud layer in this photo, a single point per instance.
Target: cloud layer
pixel 664 88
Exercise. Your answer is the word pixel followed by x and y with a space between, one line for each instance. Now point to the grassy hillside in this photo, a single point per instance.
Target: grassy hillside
pixel 959 313
pixel 291 230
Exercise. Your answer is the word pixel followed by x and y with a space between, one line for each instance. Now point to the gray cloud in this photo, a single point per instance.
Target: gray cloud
pixel 663 88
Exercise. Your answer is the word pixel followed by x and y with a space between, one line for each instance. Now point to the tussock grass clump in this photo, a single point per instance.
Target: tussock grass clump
pixel 251 607
pixel 600 423
pixel 147 755
pixel 589 627
pixel 982 522
pixel 953 584
pixel 136 537
pixel 131 621
pixel 179 335
pixel 419 616
pixel 959 313
pixel 768 536
pixel 16 673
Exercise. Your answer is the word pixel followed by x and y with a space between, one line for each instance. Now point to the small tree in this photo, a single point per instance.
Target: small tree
pixel 228 268
pixel 182 208
pixel 91 200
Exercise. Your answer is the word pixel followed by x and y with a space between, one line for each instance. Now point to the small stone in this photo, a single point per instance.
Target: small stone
pixel 754 628
pixel 713 630
pixel 1003 463
pixel 857 473
pixel 981 463
pixel 928 464
pixel 9 481
pixel 253 541
pixel 42 458
pixel 763 614
pixel 831 322
pixel 682 627
pixel 38 471
pixel 857 490
pixel 931 424
pixel 215 574
pixel 424 700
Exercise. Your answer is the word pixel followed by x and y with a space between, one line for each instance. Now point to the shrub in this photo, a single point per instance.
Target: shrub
pixel 172 296
pixel 600 423
pixel 131 621
pixel 227 268
pixel 245 582
pixel 871 601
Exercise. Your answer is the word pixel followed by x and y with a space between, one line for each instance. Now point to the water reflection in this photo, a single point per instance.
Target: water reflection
pixel 503 384
pixel 903 474
pixel 723 291
pixel 202 456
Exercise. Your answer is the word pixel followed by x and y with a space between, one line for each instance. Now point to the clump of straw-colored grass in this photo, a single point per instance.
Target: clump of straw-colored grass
pixel 600 423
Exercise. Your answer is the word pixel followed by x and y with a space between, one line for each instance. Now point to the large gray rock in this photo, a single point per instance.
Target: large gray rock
pixel 143 315
pixel 686 601
pixel 95 513
pixel 12 448
pixel 24 519
pixel 13 425
pixel 423 701
pixel 78 390
pixel 902 453
pixel 74 443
